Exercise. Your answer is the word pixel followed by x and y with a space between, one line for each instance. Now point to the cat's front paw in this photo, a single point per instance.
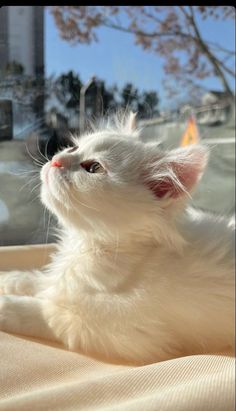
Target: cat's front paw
pixel 8 283
pixel 8 317
pixel 2 273
pixel 17 283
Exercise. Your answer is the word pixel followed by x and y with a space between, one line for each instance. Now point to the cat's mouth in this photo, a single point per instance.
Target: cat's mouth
pixel 46 174
pixel 55 185
pixel 46 169
pixel 54 178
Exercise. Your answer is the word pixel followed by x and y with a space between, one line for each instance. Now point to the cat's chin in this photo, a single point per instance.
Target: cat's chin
pixel 49 175
pixel 44 173
pixel 56 207
pixel 50 197
pixel 47 198
pixel 53 184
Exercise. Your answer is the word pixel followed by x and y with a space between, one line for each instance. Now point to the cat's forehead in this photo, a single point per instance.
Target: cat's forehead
pixel 102 142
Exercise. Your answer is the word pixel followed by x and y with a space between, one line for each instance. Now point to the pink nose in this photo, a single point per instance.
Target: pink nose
pixel 56 163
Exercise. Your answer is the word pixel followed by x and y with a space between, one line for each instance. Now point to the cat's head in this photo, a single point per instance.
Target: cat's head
pixel 111 181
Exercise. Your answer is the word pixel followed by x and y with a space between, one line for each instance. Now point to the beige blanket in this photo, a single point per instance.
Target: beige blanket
pixel 38 376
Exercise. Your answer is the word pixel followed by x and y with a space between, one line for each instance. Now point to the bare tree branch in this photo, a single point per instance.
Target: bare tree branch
pixel 220 48
pixel 170 31
pixel 210 56
pixel 153 35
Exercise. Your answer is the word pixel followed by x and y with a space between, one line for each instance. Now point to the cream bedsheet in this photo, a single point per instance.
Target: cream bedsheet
pixel 38 376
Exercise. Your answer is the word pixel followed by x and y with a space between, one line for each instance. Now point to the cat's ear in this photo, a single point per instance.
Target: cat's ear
pixel 130 124
pixel 175 174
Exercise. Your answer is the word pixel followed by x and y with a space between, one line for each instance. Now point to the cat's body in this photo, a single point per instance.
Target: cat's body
pixel 135 279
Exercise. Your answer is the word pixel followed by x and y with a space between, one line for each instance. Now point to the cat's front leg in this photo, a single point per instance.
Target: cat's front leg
pixel 25 316
pixel 20 283
pixel 40 318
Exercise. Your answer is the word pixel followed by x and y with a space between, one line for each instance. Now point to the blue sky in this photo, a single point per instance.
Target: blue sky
pixel 117 60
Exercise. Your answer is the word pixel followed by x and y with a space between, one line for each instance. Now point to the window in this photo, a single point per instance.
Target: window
pixel 47 54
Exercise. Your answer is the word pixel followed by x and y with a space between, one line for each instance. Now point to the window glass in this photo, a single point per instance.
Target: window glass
pixel 170 64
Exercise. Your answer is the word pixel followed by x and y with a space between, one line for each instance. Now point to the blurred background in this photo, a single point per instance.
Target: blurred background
pixel 63 66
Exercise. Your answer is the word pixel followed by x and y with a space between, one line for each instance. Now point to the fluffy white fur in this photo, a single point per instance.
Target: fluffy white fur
pixel 137 277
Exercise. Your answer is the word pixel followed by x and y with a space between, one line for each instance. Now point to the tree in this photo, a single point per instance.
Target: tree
pixel 145 104
pixel 129 96
pixel 173 32
pixel 99 99
pixel 148 105
pixel 67 90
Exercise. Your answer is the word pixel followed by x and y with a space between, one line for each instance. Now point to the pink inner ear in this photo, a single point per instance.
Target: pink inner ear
pixel 161 188
pixel 186 173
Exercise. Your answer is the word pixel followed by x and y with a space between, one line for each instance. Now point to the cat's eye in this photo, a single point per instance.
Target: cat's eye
pixel 92 167
pixel 95 168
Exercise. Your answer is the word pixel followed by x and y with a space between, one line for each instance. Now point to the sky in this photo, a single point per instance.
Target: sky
pixel 117 60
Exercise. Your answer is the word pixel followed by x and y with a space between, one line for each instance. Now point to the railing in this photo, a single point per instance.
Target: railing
pixel 216 112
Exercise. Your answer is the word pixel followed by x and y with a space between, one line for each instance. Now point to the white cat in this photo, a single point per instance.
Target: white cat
pixel 137 277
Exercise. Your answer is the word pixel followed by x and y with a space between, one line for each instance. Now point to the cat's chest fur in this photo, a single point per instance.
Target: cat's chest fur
pixel 95 276
pixel 142 291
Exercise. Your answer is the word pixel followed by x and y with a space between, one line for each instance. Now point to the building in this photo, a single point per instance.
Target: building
pixel 216 108
pixel 22 38
pixel 215 96
pixel 22 59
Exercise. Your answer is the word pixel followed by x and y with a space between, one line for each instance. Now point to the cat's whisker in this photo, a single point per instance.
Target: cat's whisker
pixel 23 173
pixel 36 198
pixel 37 161
pixel 44 216
pixel 35 187
pixel 28 183
pixel 39 164
pixel 68 190
pixel 37 142
pixel 46 149
pixel 81 203
pixel 48 228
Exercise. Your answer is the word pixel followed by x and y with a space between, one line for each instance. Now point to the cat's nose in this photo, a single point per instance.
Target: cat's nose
pixel 56 163
pixel 68 158
pixel 62 161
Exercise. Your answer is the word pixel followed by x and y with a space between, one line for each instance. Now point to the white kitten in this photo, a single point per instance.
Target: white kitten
pixel 137 278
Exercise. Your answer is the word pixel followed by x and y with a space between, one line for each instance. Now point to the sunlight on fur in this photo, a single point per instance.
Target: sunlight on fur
pixel 138 277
